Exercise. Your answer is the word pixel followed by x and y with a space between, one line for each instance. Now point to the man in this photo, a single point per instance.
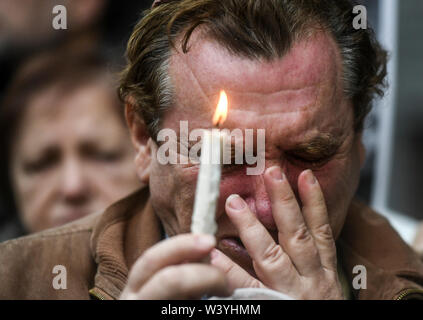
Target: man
pixel 298 70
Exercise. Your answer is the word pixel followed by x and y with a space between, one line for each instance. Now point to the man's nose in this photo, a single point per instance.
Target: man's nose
pixel 253 191
pixel 259 203
pixel 74 186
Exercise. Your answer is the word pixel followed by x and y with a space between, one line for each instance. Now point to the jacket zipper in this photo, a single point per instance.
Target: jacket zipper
pixel 96 295
pixel 407 292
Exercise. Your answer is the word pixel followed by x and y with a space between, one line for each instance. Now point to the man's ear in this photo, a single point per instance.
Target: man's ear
pixel 141 141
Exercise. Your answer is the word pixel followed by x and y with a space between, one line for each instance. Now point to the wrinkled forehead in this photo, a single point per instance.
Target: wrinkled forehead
pixel 308 62
pixel 307 79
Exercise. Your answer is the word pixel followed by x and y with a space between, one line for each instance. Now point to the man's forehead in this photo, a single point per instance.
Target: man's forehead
pixel 298 95
pixel 209 67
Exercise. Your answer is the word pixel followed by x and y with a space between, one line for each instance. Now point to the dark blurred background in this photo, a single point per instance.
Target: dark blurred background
pixel 392 180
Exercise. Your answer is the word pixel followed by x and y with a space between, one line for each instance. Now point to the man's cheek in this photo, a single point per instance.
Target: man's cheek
pixel 181 195
pixel 161 185
pixel 338 182
pixel 331 176
pixel 331 180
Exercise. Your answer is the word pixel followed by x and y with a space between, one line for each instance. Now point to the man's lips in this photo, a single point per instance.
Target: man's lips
pixel 235 250
pixel 235 244
pixel 233 247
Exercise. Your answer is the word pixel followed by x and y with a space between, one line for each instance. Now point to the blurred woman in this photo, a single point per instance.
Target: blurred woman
pixel 66 151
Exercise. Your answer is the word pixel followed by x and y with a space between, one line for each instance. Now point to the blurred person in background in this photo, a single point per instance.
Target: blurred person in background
pixel 26 29
pixel 65 147
pixel 28 23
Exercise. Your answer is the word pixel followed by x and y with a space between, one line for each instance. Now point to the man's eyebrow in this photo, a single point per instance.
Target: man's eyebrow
pixel 323 145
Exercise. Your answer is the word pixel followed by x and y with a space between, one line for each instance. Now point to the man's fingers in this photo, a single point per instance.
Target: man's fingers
pixel 293 233
pixel 175 250
pixel 268 257
pixel 237 277
pixel 188 281
pixel 316 217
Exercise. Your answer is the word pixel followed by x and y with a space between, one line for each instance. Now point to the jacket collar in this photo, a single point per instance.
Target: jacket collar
pixel 393 269
pixel 109 241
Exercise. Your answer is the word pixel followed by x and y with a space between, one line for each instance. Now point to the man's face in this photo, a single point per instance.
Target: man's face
pixel 300 103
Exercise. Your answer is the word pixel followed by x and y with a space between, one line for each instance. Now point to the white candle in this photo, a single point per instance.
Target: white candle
pixel 208 183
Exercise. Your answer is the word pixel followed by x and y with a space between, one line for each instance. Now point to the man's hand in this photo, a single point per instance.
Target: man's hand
pixel 303 263
pixel 172 270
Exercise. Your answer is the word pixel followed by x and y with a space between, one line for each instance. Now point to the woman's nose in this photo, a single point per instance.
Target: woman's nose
pixel 74 186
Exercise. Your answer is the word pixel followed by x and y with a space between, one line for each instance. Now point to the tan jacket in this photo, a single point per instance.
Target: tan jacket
pixel 92 251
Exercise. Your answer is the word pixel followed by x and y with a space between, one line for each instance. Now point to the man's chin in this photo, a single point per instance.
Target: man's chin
pixel 234 249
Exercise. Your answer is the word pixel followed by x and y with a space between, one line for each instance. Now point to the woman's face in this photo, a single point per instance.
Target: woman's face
pixel 71 156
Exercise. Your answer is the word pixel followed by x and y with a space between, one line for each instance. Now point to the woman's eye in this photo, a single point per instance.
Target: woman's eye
pixel 107 156
pixel 44 163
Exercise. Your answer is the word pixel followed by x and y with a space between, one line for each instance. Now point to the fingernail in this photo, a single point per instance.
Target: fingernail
pixel 276 173
pixel 235 202
pixel 311 179
pixel 205 241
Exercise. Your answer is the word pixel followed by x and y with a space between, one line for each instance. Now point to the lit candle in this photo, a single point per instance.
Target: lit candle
pixel 208 181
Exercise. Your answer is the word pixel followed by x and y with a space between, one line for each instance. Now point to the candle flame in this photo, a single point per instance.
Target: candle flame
pixel 221 110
